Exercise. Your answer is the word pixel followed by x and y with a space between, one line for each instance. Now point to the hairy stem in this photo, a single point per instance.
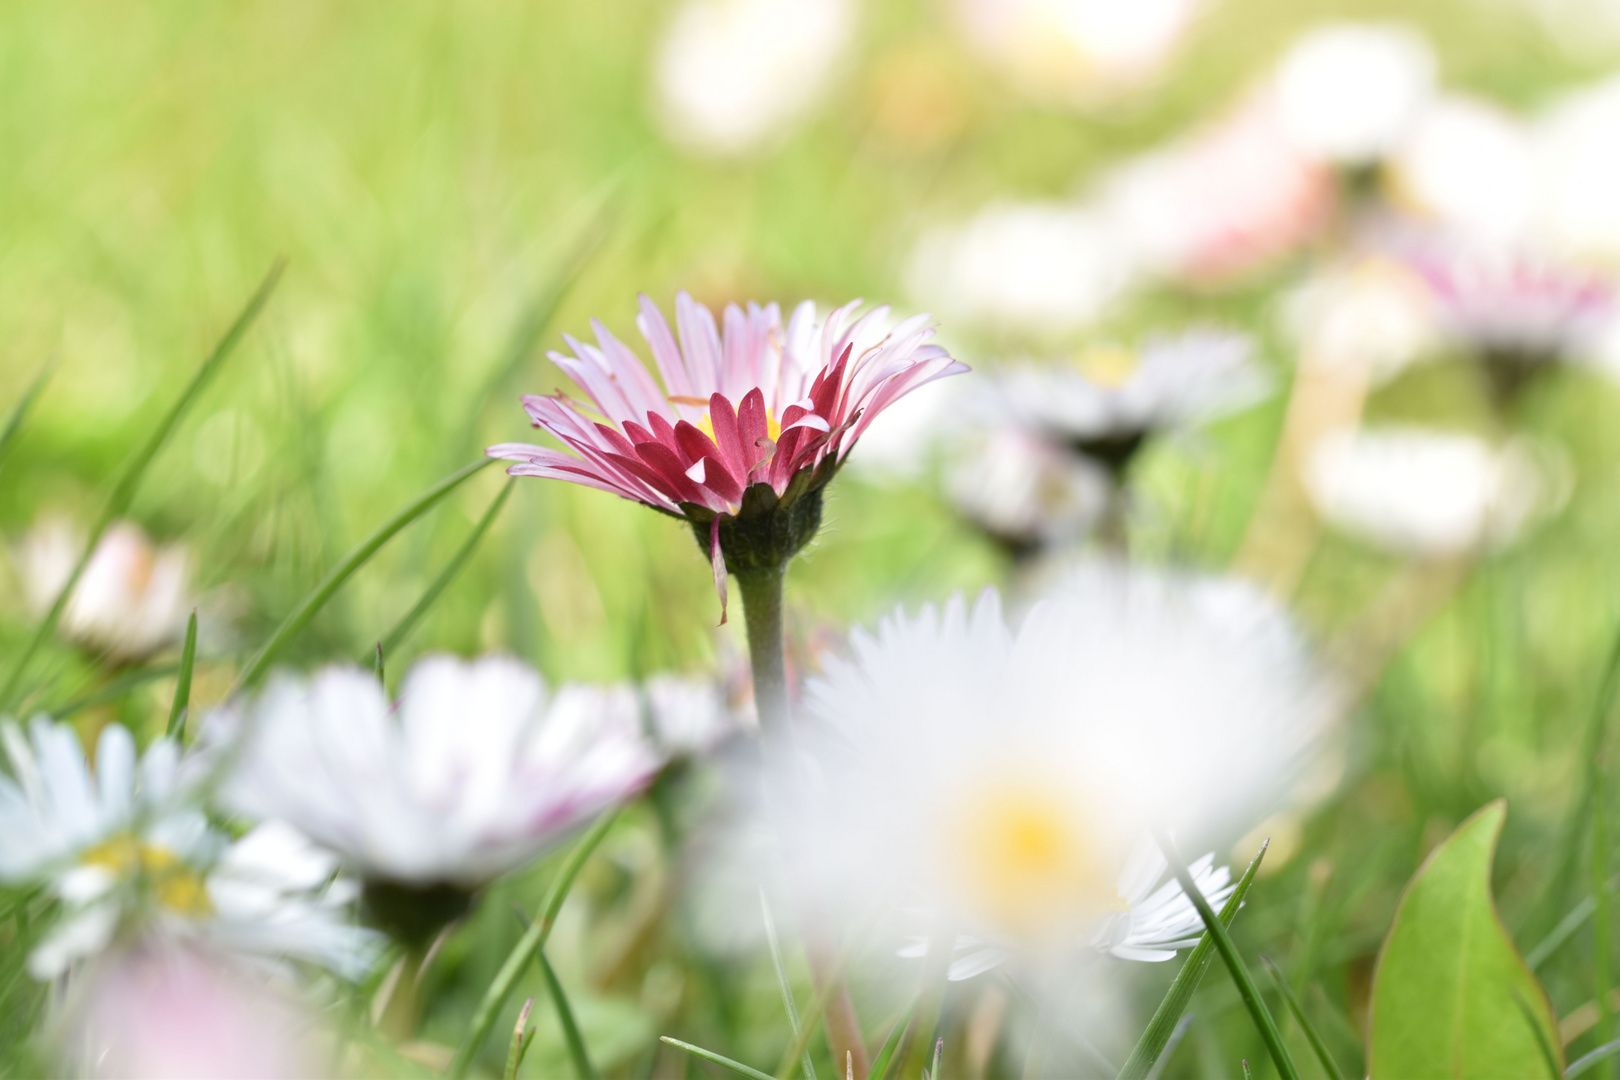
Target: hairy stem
pixel 762 609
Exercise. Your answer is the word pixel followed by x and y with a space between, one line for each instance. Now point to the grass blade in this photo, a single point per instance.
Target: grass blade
pixel 724 1062
pixel 520 1042
pixel 15 422
pixel 112 690
pixel 182 686
pixel 1328 1064
pixel 1182 1027
pixel 1161 1029
pixel 817 1013
pixel 135 466
pixel 1548 1057
pixel 885 1054
pixel 782 979
pixel 1589 1061
pixel 407 623
pixel 583 1069
pixel 341 573
pixel 1263 1022
pixel 528 946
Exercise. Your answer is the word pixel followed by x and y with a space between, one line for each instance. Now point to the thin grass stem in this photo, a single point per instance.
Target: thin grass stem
pixel 182 686
pixel 1263 1021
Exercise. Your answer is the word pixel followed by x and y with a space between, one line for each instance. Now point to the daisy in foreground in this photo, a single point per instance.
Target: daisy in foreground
pixel 1006 782
pixel 476 771
pixel 127 857
pixel 745 434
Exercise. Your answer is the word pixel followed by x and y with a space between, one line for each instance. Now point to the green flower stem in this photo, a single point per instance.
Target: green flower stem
pixel 762 610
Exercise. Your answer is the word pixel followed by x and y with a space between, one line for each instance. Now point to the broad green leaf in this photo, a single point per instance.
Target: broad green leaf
pixel 1451 995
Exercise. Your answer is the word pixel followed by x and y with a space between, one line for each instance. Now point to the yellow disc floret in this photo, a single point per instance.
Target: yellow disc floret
pixel 176 885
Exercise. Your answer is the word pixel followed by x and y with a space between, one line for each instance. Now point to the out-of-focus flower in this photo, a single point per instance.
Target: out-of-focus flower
pixel 1225 201
pixel 1033 268
pixel 1347 93
pixel 692 716
pixel 1002 781
pixel 126 850
pixel 1155 919
pixel 1076 52
pixel 1578 165
pixel 1111 399
pixel 476 771
pixel 1026 492
pixel 1370 311
pixel 1516 311
pixel 733 74
pixel 1426 493
pixel 1468 165
pixel 131 599
pixel 165 1010
pixel 763 412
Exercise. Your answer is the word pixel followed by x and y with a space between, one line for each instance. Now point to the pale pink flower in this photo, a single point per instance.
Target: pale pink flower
pixel 165 1009
pixel 1225 201
pixel 761 409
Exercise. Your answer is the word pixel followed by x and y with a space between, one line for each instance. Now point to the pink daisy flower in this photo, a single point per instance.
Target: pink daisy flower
pixel 748 427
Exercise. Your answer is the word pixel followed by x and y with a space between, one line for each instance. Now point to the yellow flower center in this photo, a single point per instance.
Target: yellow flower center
pixel 1027 861
pixel 176 885
pixel 1107 365
pixel 773 426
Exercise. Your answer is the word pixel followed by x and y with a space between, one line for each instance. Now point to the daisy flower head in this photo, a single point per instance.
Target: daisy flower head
pixel 132 598
pixel 477 769
pixel 734 75
pixel 163 1009
pixel 1348 93
pixel 1518 311
pixel 748 428
pixel 1431 494
pixel 1022 490
pixel 1110 399
pixel 125 852
pixel 1005 780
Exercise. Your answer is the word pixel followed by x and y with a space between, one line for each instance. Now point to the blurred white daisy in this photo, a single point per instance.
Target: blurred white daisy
pixel 1578 172
pixel 124 850
pixel 1110 399
pixel 1035 268
pixel 1347 93
pixel 1156 917
pixel 1024 491
pixel 733 74
pixel 1367 312
pixel 1003 781
pixel 132 598
pixel 164 1009
pixel 1075 52
pixel 478 769
pixel 1468 165
pixel 692 716
pixel 1227 200
pixel 1517 310
pixel 1426 493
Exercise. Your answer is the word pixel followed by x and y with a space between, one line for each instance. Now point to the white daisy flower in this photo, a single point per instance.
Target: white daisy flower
pixel 1469 165
pixel 733 75
pixel 1075 52
pixel 1022 490
pixel 1037 269
pixel 1112 398
pixel 1156 919
pixel 692 716
pixel 124 849
pixel 1004 780
pixel 1347 93
pixel 1427 493
pixel 132 598
pixel 1367 313
pixel 477 770
pixel 1578 171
